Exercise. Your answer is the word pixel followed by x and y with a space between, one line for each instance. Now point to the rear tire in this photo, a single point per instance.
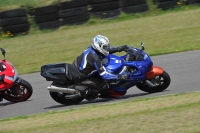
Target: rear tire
pixel 161 83
pixel 19 92
pixel 60 98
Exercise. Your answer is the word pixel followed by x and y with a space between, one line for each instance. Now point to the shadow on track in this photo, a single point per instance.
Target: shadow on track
pixel 5 104
pixel 10 103
pixel 100 100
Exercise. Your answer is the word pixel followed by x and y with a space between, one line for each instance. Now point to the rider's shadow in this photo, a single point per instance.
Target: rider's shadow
pixel 127 96
pixel 101 100
pixel 6 103
pixel 10 103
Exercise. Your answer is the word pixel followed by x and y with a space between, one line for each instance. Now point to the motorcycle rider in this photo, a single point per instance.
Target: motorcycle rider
pixel 1 95
pixel 90 61
pixel 2 68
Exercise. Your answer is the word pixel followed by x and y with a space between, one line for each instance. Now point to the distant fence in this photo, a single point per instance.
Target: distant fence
pixel 76 12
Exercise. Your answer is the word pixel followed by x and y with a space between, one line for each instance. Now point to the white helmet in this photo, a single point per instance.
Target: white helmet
pixel 101 44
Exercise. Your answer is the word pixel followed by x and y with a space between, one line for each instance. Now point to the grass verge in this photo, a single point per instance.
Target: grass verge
pixel 168 114
pixel 162 34
pixel 29 4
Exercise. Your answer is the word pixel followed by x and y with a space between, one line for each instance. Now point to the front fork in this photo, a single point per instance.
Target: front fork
pixel 18 80
pixel 9 86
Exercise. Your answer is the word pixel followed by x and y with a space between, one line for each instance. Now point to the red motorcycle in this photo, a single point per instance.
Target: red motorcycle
pixel 12 87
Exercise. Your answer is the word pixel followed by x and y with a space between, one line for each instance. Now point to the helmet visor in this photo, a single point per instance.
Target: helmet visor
pixel 106 48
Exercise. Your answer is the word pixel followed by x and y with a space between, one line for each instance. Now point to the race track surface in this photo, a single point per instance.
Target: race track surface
pixel 184 69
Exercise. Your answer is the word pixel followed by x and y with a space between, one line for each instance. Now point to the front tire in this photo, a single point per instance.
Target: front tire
pixel 19 92
pixel 160 82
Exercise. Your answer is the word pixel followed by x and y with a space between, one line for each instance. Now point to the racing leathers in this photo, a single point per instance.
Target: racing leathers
pixel 89 63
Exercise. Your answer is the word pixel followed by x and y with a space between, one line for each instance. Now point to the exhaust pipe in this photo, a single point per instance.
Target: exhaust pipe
pixel 63 90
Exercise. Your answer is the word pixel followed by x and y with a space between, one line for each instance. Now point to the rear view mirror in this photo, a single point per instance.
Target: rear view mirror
pixel 142 44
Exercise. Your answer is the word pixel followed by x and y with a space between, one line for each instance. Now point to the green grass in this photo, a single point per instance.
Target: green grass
pixel 11 4
pixel 162 34
pixel 166 114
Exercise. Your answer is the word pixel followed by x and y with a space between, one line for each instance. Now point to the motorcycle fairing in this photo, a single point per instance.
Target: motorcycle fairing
pixel 116 94
pixel 10 76
pixel 122 86
pixel 113 64
pixel 141 64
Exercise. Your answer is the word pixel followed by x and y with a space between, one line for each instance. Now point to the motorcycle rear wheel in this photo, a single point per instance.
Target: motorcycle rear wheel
pixel 60 98
pixel 161 83
pixel 19 92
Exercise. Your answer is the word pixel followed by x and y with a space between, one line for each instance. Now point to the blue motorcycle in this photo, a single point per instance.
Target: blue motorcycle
pixel 135 64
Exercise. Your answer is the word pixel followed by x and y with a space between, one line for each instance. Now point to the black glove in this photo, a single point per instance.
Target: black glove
pixel 122 48
pixel 123 76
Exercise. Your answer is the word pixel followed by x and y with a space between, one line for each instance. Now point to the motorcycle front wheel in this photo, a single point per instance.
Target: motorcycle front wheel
pixel 62 98
pixel 160 83
pixel 19 92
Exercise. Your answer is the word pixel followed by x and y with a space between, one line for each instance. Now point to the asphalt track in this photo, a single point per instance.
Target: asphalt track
pixel 184 69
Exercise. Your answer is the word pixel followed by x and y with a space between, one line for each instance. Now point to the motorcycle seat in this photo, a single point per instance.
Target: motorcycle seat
pixel 68 71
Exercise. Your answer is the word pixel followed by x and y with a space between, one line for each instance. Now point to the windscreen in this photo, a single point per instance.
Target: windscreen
pixel 134 54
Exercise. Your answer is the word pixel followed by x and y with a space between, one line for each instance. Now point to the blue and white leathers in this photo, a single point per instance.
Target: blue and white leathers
pixel 90 62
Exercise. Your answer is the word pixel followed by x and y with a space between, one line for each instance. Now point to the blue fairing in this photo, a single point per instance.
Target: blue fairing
pixel 113 64
pixel 117 65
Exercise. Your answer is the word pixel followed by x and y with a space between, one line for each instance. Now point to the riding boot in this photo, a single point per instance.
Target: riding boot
pixel 95 86
pixel 105 94
pixel 90 94
pixel 91 91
